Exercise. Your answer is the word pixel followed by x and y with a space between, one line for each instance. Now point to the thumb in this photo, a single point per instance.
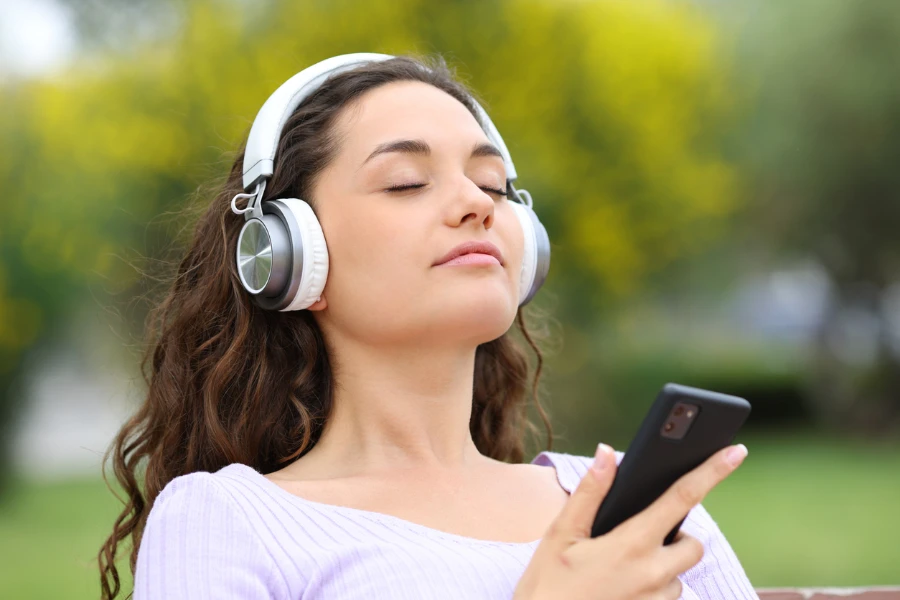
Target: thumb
pixel 577 516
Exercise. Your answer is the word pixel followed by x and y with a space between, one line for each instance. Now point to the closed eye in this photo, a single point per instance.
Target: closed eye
pixel 413 186
pixel 494 191
pixel 405 186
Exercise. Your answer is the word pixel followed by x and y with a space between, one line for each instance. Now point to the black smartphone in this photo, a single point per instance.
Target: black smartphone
pixel 683 428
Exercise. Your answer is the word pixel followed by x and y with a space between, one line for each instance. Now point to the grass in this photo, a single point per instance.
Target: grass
pixel 801 511
pixel 50 534
pixel 804 511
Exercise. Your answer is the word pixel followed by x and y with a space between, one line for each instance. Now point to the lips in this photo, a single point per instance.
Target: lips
pixel 472 247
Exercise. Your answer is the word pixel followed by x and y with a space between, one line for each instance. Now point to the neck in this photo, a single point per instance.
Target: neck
pixel 406 408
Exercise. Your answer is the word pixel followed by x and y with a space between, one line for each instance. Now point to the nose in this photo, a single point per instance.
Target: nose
pixel 471 204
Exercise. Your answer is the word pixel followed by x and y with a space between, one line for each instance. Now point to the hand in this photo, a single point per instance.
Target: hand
pixel 630 561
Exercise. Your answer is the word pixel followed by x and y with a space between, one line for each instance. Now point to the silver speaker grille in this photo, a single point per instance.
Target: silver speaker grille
pixel 255 256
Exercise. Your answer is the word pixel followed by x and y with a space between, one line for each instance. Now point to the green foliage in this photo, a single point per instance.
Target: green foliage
pixel 612 110
pixel 820 153
pixel 820 147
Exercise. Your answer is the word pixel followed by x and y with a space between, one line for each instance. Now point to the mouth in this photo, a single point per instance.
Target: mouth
pixel 474 258
pixel 472 253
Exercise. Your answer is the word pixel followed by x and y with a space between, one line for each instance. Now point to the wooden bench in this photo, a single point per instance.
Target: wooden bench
pixel 866 593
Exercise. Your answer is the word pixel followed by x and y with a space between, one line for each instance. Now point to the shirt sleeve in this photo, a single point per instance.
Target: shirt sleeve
pixel 198 544
pixel 719 574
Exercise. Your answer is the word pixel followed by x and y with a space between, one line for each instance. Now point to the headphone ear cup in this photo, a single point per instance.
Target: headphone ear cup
pixel 264 256
pixel 536 255
pixel 314 252
pixel 282 257
pixel 526 275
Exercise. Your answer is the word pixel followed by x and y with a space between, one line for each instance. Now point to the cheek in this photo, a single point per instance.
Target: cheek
pixel 369 251
pixel 515 243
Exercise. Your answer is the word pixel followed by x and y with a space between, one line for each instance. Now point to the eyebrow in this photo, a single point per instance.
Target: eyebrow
pixel 421 148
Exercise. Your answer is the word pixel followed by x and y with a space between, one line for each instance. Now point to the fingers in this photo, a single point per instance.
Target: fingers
pixel 577 516
pixel 672 591
pixel 687 492
pixel 668 562
pixel 681 555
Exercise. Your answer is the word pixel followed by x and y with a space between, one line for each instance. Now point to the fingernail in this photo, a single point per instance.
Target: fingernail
pixel 736 454
pixel 602 458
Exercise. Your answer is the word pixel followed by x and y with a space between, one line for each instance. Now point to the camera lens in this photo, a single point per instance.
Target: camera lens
pixel 669 426
pixel 678 410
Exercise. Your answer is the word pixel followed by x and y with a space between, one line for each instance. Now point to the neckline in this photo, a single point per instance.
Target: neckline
pixel 380 517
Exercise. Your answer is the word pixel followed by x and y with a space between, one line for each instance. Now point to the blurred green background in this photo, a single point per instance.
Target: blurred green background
pixel 719 182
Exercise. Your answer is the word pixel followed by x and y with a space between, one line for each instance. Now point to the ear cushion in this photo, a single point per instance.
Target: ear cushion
pixel 529 257
pixel 315 255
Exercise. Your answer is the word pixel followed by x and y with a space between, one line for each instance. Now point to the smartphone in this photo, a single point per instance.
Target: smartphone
pixel 683 428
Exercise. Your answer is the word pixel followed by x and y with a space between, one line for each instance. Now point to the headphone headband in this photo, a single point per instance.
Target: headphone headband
pixel 259 155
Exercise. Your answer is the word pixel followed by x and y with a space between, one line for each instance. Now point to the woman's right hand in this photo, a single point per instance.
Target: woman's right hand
pixel 630 561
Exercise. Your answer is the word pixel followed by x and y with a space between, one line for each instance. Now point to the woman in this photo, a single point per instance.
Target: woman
pixel 357 432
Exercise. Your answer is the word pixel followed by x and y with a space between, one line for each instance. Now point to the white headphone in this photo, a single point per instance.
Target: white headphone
pixel 282 258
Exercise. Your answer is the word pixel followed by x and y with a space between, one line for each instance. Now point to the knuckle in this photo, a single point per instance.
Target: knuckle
pixel 657 575
pixel 628 539
pixel 557 529
pixel 722 469
pixel 688 493
pixel 695 549
pixel 566 560
pixel 671 589
pixel 698 549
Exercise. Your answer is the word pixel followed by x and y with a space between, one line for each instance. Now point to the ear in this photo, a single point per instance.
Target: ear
pixel 319 304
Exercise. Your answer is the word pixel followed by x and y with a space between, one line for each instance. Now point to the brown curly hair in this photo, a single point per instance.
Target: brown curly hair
pixel 229 382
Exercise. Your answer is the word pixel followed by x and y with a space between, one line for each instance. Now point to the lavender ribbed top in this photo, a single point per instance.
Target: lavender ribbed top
pixel 235 534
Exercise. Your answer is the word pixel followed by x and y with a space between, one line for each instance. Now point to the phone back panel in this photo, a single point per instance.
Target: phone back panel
pixel 652 463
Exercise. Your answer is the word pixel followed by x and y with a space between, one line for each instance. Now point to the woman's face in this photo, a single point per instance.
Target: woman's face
pixel 383 285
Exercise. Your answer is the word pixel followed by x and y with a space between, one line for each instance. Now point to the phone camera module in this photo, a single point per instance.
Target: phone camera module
pixel 680 420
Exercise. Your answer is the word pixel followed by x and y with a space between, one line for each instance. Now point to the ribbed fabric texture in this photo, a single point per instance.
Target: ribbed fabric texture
pixel 235 534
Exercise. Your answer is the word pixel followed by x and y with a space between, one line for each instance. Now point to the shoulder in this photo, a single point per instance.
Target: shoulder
pixel 199 497
pixel 570 468
pixel 188 489
pixel 196 508
pixel 218 504
pixel 234 491
pixel 197 537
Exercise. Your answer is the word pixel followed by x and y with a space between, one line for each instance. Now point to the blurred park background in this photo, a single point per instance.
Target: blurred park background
pixel 719 180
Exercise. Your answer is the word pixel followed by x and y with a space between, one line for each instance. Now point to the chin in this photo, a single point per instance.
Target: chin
pixel 481 318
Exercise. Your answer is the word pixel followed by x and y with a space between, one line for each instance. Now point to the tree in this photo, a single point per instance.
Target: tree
pixel 612 110
pixel 820 152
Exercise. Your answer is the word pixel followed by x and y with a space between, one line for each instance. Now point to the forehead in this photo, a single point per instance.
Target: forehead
pixel 407 109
